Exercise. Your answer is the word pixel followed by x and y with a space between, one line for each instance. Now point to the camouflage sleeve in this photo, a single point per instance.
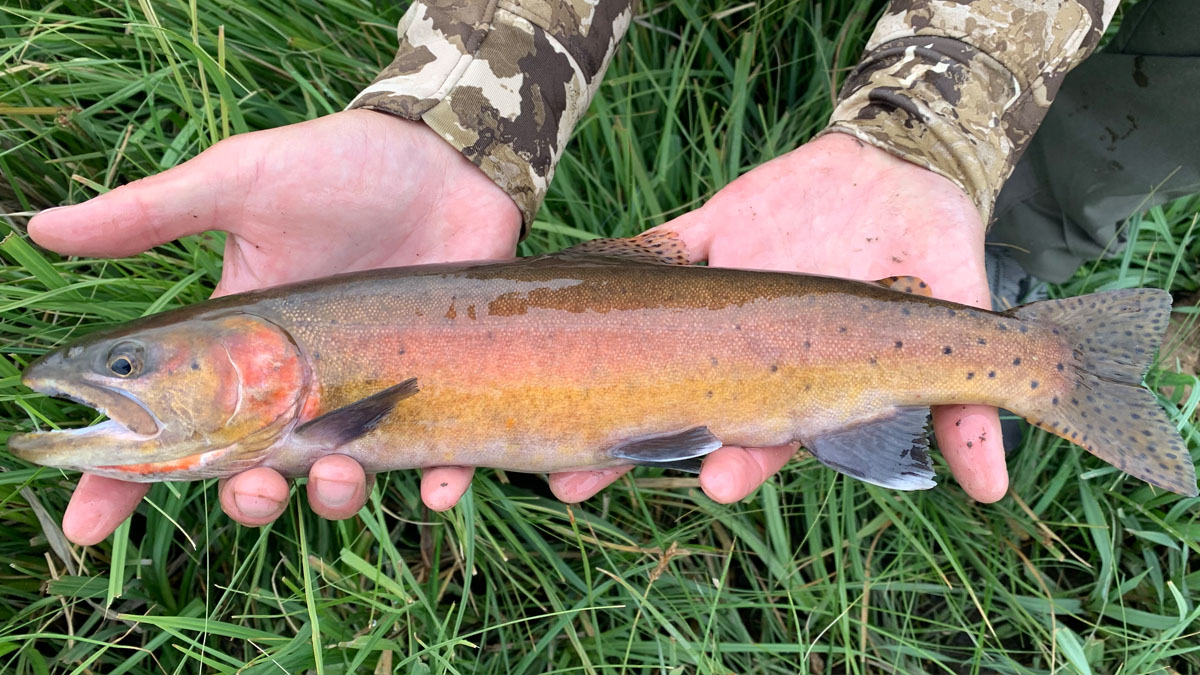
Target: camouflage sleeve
pixel 503 81
pixel 960 87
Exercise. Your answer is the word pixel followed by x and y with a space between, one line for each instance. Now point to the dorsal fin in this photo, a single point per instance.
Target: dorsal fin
pixel 911 285
pixel 658 246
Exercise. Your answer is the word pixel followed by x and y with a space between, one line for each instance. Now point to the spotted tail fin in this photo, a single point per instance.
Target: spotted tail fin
pixel 1114 336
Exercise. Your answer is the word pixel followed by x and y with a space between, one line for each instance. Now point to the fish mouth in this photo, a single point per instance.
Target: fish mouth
pixel 130 423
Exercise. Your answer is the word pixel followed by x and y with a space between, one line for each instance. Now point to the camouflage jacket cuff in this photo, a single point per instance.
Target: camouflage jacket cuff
pixel 502 81
pixel 961 88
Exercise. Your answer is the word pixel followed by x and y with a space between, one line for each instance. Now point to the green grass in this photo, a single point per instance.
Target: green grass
pixel 1079 570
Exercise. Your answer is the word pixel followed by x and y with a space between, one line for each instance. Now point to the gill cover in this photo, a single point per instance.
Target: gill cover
pixel 199 397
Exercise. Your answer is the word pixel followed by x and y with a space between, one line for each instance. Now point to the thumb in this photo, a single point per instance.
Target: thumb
pixel 191 198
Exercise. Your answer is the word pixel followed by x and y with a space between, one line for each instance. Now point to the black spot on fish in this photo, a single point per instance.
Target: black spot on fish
pixel 708 394
pixel 1001 326
pixel 947 350
pixel 1024 328
pixel 992 374
pixel 970 376
pixel 905 311
pixel 774 368
pixel 712 360
pixel 1059 367
pixel 1017 361
pixel 1054 401
pixel 807 344
pixel 195 366
pixel 981 341
pixel 951 313
pixel 873 361
pixel 1033 384
pixel 841 329
pixel 899 344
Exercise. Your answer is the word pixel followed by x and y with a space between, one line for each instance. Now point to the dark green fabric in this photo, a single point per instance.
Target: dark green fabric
pixel 1123 135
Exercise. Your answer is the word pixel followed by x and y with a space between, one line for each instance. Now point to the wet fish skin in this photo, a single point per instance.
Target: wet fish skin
pixel 550 363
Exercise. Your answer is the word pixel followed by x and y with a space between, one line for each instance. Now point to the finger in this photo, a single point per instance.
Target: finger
pixel 337 487
pixel 187 199
pixel 255 497
pixel 98 506
pixel 443 486
pixel 572 487
pixel 731 473
pixel 970 439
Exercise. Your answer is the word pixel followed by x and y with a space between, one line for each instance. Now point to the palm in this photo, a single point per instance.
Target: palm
pixel 812 211
pixel 350 191
pixel 354 192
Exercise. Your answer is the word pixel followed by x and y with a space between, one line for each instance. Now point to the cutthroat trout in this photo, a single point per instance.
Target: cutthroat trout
pixel 596 357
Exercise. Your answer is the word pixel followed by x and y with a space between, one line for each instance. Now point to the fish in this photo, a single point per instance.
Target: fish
pixel 613 352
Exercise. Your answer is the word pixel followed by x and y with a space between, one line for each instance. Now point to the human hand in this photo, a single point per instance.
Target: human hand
pixel 350 191
pixel 838 207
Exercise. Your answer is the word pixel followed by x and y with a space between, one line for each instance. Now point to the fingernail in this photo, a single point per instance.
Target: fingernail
pixel 54 208
pixel 335 492
pixel 256 506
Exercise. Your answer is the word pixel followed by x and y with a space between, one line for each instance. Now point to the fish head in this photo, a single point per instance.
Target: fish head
pixel 194 398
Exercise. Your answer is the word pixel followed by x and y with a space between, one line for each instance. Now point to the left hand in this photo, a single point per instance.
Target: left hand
pixel 838 207
pixel 349 191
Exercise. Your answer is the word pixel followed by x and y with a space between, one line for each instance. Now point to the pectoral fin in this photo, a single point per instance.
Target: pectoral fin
pixel 911 285
pixel 338 427
pixel 891 452
pixel 674 450
pixel 661 247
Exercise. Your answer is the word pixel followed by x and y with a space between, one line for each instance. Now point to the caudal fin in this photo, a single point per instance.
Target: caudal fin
pixel 1115 335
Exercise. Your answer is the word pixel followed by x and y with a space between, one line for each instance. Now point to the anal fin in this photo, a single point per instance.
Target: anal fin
pixel 338 427
pixel 891 452
pixel 674 450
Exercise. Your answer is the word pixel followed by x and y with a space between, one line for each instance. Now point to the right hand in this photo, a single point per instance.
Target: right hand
pixel 351 191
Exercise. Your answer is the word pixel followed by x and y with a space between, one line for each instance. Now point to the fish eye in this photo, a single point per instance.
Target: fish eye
pixel 125 360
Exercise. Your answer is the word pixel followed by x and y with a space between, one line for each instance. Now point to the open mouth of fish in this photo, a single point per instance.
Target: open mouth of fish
pixel 129 422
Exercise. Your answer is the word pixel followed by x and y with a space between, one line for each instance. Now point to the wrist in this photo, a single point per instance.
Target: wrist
pixel 504 84
pixel 432 177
